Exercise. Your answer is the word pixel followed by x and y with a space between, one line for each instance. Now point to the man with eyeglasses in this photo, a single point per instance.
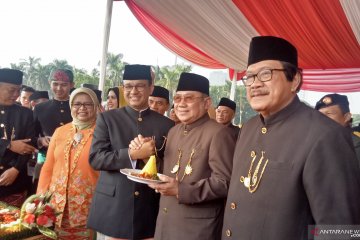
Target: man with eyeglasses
pixel 159 100
pixel 197 165
pixel 293 168
pixel 225 113
pixel 52 114
pixel 121 208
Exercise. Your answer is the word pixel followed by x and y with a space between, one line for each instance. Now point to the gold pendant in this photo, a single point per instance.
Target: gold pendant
pixel 175 168
pixel 247 182
pixel 188 169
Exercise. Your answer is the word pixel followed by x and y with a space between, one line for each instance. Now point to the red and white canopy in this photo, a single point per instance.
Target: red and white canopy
pixel 217 33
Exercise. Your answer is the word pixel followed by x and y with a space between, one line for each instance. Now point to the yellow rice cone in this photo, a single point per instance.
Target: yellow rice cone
pixel 150 167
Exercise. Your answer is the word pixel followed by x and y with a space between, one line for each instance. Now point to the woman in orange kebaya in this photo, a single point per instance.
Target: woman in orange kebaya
pixel 66 172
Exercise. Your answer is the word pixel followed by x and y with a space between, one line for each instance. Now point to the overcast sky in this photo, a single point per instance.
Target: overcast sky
pixel 73 30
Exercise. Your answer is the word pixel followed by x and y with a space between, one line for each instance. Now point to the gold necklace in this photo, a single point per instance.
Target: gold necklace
pixel 162 146
pixel 252 182
pixel 188 168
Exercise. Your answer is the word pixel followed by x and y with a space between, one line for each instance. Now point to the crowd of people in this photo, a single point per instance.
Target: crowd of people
pixel 286 169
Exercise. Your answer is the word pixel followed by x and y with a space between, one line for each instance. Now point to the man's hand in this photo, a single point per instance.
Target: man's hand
pixel 43 141
pixel 8 177
pixel 137 142
pixel 169 188
pixel 21 147
pixel 145 151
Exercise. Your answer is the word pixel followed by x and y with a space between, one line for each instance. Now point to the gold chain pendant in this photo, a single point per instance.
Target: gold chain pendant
pixel 188 169
pixel 177 165
pixel 251 182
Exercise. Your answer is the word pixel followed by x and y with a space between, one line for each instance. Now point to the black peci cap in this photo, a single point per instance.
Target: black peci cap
pixel 272 48
pixel 160 92
pixel 227 103
pixel 193 82
pixel 39 94
pixel 137 72
pixel 12 76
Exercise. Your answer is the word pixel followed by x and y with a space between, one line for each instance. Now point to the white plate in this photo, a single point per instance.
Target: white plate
pixel 128 171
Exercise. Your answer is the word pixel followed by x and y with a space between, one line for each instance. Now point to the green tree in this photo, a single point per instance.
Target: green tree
pixel 56 63
pixel 114 69
pixel 169 77
pixel 81 76
pixel 30 66
pixel 40 77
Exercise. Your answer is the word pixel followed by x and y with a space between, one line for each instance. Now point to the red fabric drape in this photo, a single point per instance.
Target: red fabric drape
pixel 239 75
pixel 171 40
pixel 319 30
pixel 332 80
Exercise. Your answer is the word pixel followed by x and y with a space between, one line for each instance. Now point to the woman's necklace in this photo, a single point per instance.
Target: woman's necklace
pixel 78 136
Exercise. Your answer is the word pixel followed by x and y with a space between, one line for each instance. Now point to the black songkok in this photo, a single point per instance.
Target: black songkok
pixel 227 103
pixel 39 94
pixel 11 76
pixel 272 48
pixel 137 72
pixel 91 86
pixel 193 82
pixel 160 92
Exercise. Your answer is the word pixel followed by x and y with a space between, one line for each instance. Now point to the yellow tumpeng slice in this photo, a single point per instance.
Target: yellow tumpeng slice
pixel 150 167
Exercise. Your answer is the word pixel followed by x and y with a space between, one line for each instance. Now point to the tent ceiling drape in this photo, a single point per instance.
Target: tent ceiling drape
pixel 217 33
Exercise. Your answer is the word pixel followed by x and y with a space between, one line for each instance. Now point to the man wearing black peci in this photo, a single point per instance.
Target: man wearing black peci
pixel 123 209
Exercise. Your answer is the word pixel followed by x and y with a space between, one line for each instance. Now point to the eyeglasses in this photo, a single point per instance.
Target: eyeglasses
pixel 263 76
pixel 186 98
pixel 85 105
pixel 138 87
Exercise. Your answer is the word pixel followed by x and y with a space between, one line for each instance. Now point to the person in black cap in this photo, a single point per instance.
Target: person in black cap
pixel 16 132
pixel 159 100
pixel 38 97
pixel 52 114
pixel 197 165
pixel 225 112
pixel 25 94
pixel 291 165
pixel 133 206
pixel 336 107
